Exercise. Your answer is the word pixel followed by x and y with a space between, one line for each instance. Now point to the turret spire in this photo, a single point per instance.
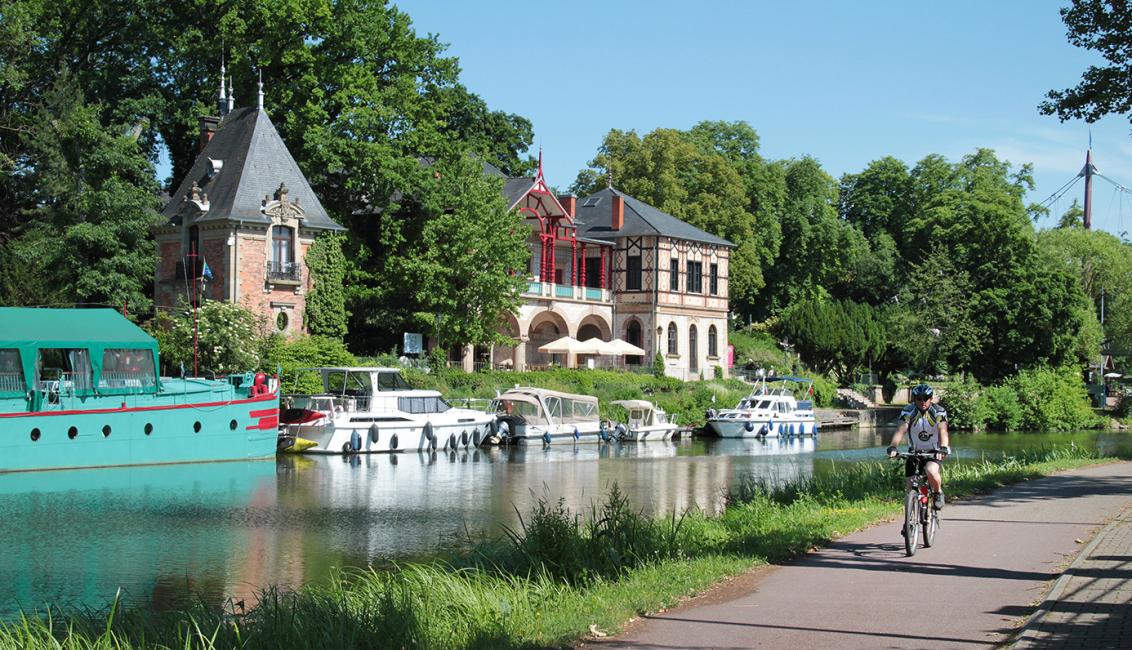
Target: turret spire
pixel 222 103
pixel 259 100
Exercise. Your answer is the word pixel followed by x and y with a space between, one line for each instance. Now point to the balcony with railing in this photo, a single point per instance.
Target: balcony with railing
pixel 568 292
pixel 284 272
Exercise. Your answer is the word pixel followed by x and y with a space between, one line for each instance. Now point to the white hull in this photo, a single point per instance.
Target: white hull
pixel 562 434
pixel 653 432
pixel 448 431
pixel 762 428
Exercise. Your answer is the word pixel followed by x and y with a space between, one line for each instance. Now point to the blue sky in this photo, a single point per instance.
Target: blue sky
pixel 844 82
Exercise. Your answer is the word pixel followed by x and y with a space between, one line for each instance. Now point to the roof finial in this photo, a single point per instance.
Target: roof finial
pixel 609 179
pixel 222 103
pixel 259 100
pixel 540 160
pixel 231 96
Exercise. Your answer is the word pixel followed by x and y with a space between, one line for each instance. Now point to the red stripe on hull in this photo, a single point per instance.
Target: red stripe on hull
pixel 266 423
pixel 194 405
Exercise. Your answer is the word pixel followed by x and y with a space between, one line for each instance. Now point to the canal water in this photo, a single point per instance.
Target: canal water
pixel 224 530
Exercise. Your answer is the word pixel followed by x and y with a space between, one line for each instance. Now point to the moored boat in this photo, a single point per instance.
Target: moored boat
pixel 647 421
pixel 771 410
pixel 538 415
pixel 79 388
pixel 371 409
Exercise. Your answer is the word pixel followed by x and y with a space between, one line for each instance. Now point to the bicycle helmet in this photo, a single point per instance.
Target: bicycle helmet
pixel 923 390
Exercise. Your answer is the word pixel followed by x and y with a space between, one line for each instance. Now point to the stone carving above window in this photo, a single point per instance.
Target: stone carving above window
pixel 281 209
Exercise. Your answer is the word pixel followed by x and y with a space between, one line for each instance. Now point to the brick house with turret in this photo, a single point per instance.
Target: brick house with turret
pixel 238 227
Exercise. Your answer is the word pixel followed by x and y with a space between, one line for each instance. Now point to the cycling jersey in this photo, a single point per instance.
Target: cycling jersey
pixel 923 426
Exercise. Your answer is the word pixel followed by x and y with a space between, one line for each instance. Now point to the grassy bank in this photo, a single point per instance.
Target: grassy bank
pixel 547 582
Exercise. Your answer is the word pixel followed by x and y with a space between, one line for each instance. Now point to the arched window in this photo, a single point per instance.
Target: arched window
pixel 693 353
pixel 673 345
pixel 712 342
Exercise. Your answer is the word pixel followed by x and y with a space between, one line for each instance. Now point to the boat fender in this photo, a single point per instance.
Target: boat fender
pixel 452 441
pixel 346 448
pixel 432 443
pixel 428 434
pixel 355 441
pixel 464 437
pixel 393 442
pixel 476 434
pixel 546 437
pixel 749 426
pixel 374 434
pixel 576 434
pixel 603 433
pixel 762 430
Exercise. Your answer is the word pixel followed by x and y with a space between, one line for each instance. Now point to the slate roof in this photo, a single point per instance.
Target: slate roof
pixel 595 212
pixel 255 162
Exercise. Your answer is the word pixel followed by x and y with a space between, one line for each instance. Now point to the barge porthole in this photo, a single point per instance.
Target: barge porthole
pixel 35 434
pixel 148 428
pixel 196 426
pixel 106 431
pixel 232 425
pixel 72 432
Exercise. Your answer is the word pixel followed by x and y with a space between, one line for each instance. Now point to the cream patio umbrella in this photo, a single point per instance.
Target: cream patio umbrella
pixel 567 345
pixel 623 347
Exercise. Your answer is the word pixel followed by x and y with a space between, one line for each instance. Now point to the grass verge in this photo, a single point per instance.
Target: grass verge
pixel 548 582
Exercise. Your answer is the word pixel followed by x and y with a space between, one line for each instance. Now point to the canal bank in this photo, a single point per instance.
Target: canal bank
pixel 993 555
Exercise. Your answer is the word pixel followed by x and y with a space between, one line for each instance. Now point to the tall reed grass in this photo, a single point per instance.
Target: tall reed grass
pixel 544 582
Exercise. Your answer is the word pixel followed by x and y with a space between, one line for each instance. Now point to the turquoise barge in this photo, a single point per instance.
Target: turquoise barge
pixel 79 388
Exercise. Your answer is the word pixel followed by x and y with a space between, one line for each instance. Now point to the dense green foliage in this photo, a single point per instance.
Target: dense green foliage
pixel 1106 27
pixel 289 355
pixel 836 337
pixel 219 338
pixel 545 583
pixel 326 303
pixel 1036 399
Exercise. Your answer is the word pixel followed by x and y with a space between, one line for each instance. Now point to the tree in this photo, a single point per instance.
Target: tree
pixel 229 339
pixel 463 270
pixel 1106 27
pixel 706 177
pixel 840 337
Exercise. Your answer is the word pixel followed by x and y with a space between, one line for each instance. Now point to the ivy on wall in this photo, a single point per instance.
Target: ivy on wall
pixel 326 303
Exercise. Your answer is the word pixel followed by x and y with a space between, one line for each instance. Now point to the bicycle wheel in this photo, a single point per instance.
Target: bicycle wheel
pixel 911 521
pixel 931 523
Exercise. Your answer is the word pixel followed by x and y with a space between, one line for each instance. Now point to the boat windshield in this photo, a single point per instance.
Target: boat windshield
pixel 344 382
pixel 422 404
pixel 392 381
pixel 763 404
pixel 526 410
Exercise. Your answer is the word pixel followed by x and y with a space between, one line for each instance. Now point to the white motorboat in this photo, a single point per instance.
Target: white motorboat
pixel 366 409
pixel 647 421
pixel 771 410
pixel 538 415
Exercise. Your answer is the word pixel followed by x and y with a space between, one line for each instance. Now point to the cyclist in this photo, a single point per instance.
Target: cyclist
pixel 926 424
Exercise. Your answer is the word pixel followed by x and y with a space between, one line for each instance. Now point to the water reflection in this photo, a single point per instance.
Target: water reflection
pixel 74 537
pixel 226 529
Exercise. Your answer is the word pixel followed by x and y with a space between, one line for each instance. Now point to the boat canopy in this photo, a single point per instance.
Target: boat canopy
pixel 559 406
pixel 634 404
pixel 102 350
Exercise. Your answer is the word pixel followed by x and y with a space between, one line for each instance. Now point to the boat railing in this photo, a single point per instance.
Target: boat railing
pixel 481 404
pixel 130 381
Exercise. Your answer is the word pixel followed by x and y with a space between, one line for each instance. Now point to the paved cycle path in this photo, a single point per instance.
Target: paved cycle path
pixel 995 559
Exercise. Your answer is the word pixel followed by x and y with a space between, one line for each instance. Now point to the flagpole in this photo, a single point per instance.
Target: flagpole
pixel 193 256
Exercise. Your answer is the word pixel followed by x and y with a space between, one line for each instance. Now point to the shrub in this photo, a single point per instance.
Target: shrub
pixel 1052 399
pixel 1001 408
pixel 289 355
pixel 964 409
pixel 658 365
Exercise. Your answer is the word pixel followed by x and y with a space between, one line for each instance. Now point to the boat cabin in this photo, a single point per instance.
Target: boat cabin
pixel 377 389
pixel 540 406
pixel 642 413
pixel 49 354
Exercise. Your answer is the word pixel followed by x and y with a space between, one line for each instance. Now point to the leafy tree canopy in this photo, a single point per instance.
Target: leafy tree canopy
pixel 1104 26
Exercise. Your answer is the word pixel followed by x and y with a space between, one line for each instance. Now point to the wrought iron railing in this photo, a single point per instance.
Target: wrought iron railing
pixel 286 271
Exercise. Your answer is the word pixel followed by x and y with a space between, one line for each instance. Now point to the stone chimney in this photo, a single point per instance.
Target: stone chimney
pixel 208 127
pixel 618 220
pixel 570 202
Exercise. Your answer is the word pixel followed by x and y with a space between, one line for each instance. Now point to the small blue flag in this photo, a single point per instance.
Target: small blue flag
pixel 206 272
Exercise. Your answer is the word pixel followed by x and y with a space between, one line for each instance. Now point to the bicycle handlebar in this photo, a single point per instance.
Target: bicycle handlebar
pixel 931 454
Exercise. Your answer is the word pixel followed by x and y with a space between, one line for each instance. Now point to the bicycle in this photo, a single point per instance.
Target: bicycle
pixel 918 513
